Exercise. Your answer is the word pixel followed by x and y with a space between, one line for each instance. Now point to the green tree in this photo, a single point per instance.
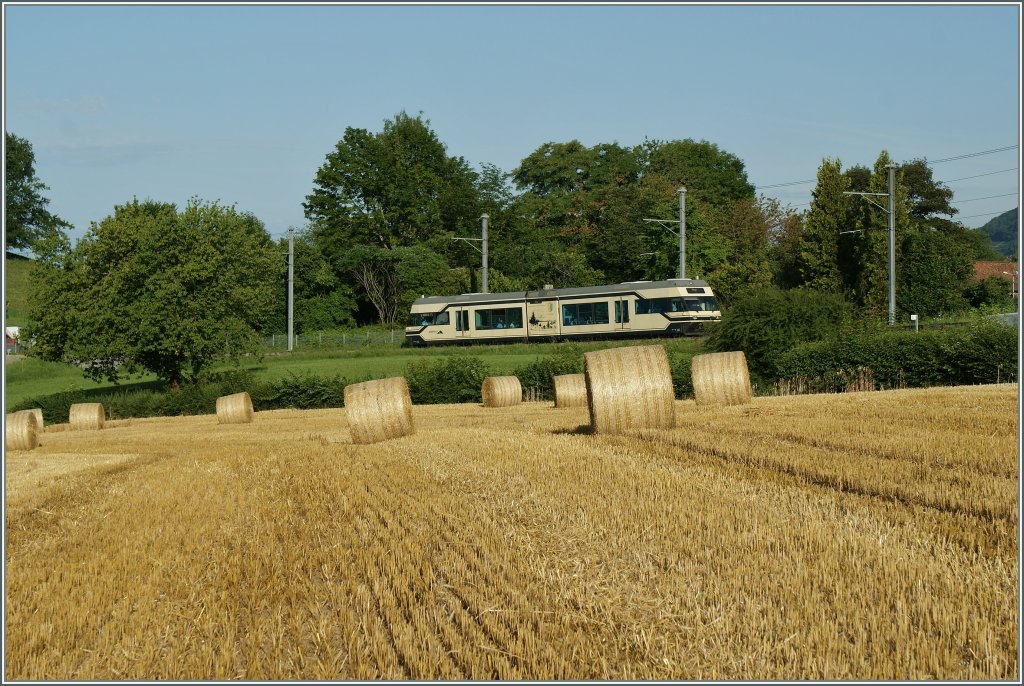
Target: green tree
pixel 765 323
pixel 995 291
pixel 748 226
pixel 152 289
pixel 566 269
pixel 26 219
pixel 566 184
pixel 871 243
pixel 926 196
pixel 978 245
pixel 395 188
pixel 322 302
pixel 818 259
pixel 933 274
pixel 391 279
pixel 709 173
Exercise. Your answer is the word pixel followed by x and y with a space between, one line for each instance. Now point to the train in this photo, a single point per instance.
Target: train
pixel 642 309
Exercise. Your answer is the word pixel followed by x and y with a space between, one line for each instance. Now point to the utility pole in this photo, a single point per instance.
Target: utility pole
pixel 484 218
pixel 892 243
pixel 891 228
pixel 682 230
pixel 291 284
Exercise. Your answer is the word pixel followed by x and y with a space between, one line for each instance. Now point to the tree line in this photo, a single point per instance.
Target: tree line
pixel 167 290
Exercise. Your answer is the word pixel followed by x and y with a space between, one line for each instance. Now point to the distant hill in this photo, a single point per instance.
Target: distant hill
pixel 16 282
pixel 1003 232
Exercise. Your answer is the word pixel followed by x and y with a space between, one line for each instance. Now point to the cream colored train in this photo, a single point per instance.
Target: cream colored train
pixel 635 308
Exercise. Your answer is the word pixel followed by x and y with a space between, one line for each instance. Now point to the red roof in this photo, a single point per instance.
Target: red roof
pixel 983 270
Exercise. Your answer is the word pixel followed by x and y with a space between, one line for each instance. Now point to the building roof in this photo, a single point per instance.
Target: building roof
pixel 983 270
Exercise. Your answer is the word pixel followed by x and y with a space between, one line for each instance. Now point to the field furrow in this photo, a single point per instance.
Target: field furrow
pixel 779 540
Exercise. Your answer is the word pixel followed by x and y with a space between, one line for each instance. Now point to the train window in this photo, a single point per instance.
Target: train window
pixel 428 319
pixel 462 321
pixel 694 290
pixel 585 314
pixel 504 318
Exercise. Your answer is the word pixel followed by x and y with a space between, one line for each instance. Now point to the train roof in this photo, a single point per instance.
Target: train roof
pixel 625 287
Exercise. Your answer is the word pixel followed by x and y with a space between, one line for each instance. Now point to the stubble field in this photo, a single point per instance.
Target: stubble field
pixel 859 536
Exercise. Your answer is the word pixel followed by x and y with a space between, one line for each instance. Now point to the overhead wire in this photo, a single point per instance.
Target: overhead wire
pixel 976 176
pixel 945 159
pixel 987 197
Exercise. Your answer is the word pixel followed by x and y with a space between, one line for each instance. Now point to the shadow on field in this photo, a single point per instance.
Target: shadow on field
pixel 581 430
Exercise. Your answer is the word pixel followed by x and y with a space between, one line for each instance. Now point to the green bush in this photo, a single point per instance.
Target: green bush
pixel 541 373
pixel 301 392
pixel 980 353
pixel 766 323
pixel 455 379
pixel 682 380
pixel 294 391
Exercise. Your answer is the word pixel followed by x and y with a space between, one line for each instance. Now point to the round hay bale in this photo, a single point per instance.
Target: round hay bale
pixel 501 391
pixel 570 390
pixel 86 416
pixel 38 412
pixel 379 410
pixel 234 409
pixel 721 379
pixel 629 388
pixel 21 431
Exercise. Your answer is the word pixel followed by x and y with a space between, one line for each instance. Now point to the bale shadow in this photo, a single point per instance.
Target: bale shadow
pixel 581 430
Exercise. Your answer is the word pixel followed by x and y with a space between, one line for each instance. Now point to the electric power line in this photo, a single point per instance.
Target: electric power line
pixel 987 197
pixel 790 183
pixel 986 214
pixel 972 154
pixel 964 178
pixel 947 159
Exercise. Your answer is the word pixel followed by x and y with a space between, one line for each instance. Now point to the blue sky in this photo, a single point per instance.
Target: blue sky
pixel 242 103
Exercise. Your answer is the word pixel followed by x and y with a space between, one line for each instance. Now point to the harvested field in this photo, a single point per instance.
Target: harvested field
pixel 863 536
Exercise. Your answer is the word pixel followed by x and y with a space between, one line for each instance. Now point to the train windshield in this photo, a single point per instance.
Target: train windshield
pixel 687 304
pixel 428 319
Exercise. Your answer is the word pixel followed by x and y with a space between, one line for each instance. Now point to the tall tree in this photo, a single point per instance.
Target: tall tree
pixel 926 196
pixel 395 188
pixel 26 219
pixel 748 225
pixel 933 274
pixel 568 183
pixel 392 279
pixel 152 289
pixel 871 243
pixel 818 260
pixel 709 173
pixel 322 301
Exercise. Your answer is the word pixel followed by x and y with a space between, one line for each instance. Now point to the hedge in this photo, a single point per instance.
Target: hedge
pixel 977 354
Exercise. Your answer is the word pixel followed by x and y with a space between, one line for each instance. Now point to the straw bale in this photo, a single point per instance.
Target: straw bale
pixel 570 390
pixel 21 431
pixel 234 409
pixel 38 412
pixel 86 416
pixel 501 391
pixel 379 410
pixel 629 388
pixel 721 379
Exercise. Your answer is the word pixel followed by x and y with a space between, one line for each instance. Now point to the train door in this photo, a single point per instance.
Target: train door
pixel 461 315
pixel 542 318
pixel 622 314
